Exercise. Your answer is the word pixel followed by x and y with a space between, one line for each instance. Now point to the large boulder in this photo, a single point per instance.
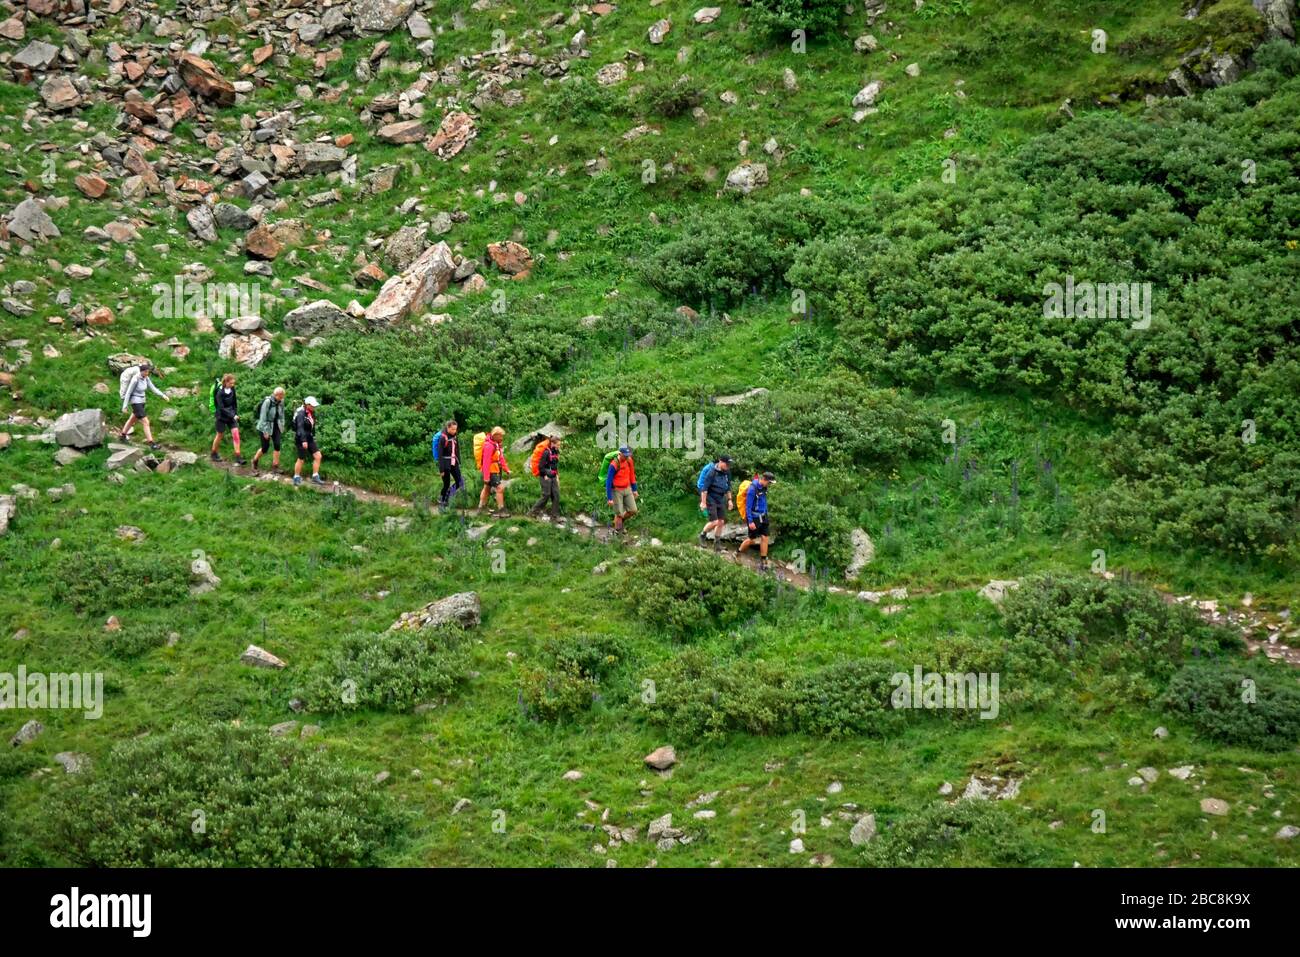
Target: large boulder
pixel 316 319
pixel 461 609
pixel 511 258
pixel 8 508
pixel 29 221
pixel 119 362
pixel 1279 15
pixel 83 429
pixel 248 350
pixel 205 79
pixel 747 177
pixel 549 430
pixel 380 16
pixel 864 550
pixel 454 134
pixel 321 158
pixel 122 458
pixel 413 288
pixel 37 55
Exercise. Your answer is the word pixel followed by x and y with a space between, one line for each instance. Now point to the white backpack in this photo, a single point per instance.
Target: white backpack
pixel 126 385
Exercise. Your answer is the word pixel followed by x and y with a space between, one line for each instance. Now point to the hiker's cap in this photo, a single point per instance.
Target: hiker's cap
pixel 769 476
pixel 725 458
pixel 625 450
pixel 311 400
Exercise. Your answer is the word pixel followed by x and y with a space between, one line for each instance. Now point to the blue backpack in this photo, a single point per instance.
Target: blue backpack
pixel 706 473
pixel 437 446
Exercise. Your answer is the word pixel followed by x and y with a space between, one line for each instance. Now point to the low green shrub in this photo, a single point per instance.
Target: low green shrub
pixel 570 677
pixel 966 833
pixel 391 671
pixel 218 796
pixel 134 641
pixel 703 699
pixel 847 698
pixel 684 590
pixel 780 17
pixel 100 580
pixel 1237 705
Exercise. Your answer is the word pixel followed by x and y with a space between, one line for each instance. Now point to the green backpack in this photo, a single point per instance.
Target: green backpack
pixel 212 396
pixel 604 466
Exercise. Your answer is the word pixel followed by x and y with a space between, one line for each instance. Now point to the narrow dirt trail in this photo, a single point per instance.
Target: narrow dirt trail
pixel 1264 632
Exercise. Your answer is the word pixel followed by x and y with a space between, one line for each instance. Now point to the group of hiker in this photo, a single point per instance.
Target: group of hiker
pixel 136 382
pixel 617 470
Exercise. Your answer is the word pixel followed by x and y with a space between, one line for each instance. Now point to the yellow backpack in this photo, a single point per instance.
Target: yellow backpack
pixel 479 439
pixel 741 493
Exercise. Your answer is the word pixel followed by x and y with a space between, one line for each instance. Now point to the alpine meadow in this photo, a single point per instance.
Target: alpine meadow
pixel 785 434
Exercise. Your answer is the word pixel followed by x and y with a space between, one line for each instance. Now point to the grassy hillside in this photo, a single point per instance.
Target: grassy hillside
pixel 886 288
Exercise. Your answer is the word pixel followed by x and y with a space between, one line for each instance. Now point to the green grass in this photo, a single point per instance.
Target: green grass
pixel 298 570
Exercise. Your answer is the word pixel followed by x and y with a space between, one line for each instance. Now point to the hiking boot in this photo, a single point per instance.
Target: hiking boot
pixel 155 446
pixel 239 460
pixel 704 538
pixel 764 565
pixel 297 480
pixel 257 469
pixel 317 480
pixel 215 457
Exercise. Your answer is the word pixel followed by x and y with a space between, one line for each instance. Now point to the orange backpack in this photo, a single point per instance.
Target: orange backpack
pixel 536 461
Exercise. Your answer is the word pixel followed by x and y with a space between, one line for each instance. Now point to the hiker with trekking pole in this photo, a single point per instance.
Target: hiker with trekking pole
pixel 620 486
pixel 490 457
pixel 545 464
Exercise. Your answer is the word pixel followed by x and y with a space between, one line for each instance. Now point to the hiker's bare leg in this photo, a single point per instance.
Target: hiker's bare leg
pixel 482 498
pixel 234 437
pixel 148 432
pixel 297 469
pixel 216 442
pixel 130 423
pixel 315 464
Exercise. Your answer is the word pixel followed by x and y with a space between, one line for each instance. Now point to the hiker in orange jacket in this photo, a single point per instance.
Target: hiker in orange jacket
pixel 620 487
pixel 494 465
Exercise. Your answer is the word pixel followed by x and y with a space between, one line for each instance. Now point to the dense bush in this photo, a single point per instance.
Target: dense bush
pixel 134 640
pixel 848 698
pixel 1237 706
pixel 780 17
pixel 965 833
pixel 391 670
pixel 698 697
pixel 218 796
pixel 822 530
pixel 951 285
pixel 719 255
pixel 683 589
pixel 669 97
pixel 1114 624
pixel 702 698
pixel 570 676
pixel 101 579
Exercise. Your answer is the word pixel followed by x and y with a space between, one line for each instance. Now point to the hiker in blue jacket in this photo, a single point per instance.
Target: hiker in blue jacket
pixel 714 485
pixel 756 517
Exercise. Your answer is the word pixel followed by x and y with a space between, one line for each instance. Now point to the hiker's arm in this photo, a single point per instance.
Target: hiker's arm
pixel 156 390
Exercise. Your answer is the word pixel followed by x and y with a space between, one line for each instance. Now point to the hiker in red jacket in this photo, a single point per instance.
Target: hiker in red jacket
pixel 494 465
pixel 620 487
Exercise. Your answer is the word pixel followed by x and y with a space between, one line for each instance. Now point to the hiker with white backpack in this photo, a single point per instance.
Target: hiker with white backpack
pixel 270 426
pixel 133 385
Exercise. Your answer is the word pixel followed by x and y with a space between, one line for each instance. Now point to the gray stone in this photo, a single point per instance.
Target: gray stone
pixel 1215 806
pixel 202 223
pixel 27 733
pixel 747 177
pixel 83 429
pixel 123 458
pixel 462 609
pixel 864 551
pixel 37 55
pixel 30 221
pixel 317 318
pixel 260 658
pixel 380 16
pixel 230 216
pixel 661 759
pixel 997 589
pixel 321 158
pixel 8 508
pixel 72 762
pixel 863 830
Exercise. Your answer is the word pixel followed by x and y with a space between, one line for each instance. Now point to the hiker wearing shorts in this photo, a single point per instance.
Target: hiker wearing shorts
pixel 304 437
pixel 134 389
pixel 715 499
pixel 492 468
pixel 756 517
pixel 620 487
pixel 270 426
pixel 227 406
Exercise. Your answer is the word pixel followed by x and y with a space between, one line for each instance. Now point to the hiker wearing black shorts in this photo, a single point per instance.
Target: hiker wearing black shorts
pixel 756 516
pixel 304 439
pixel 227 412
pixel 270 427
